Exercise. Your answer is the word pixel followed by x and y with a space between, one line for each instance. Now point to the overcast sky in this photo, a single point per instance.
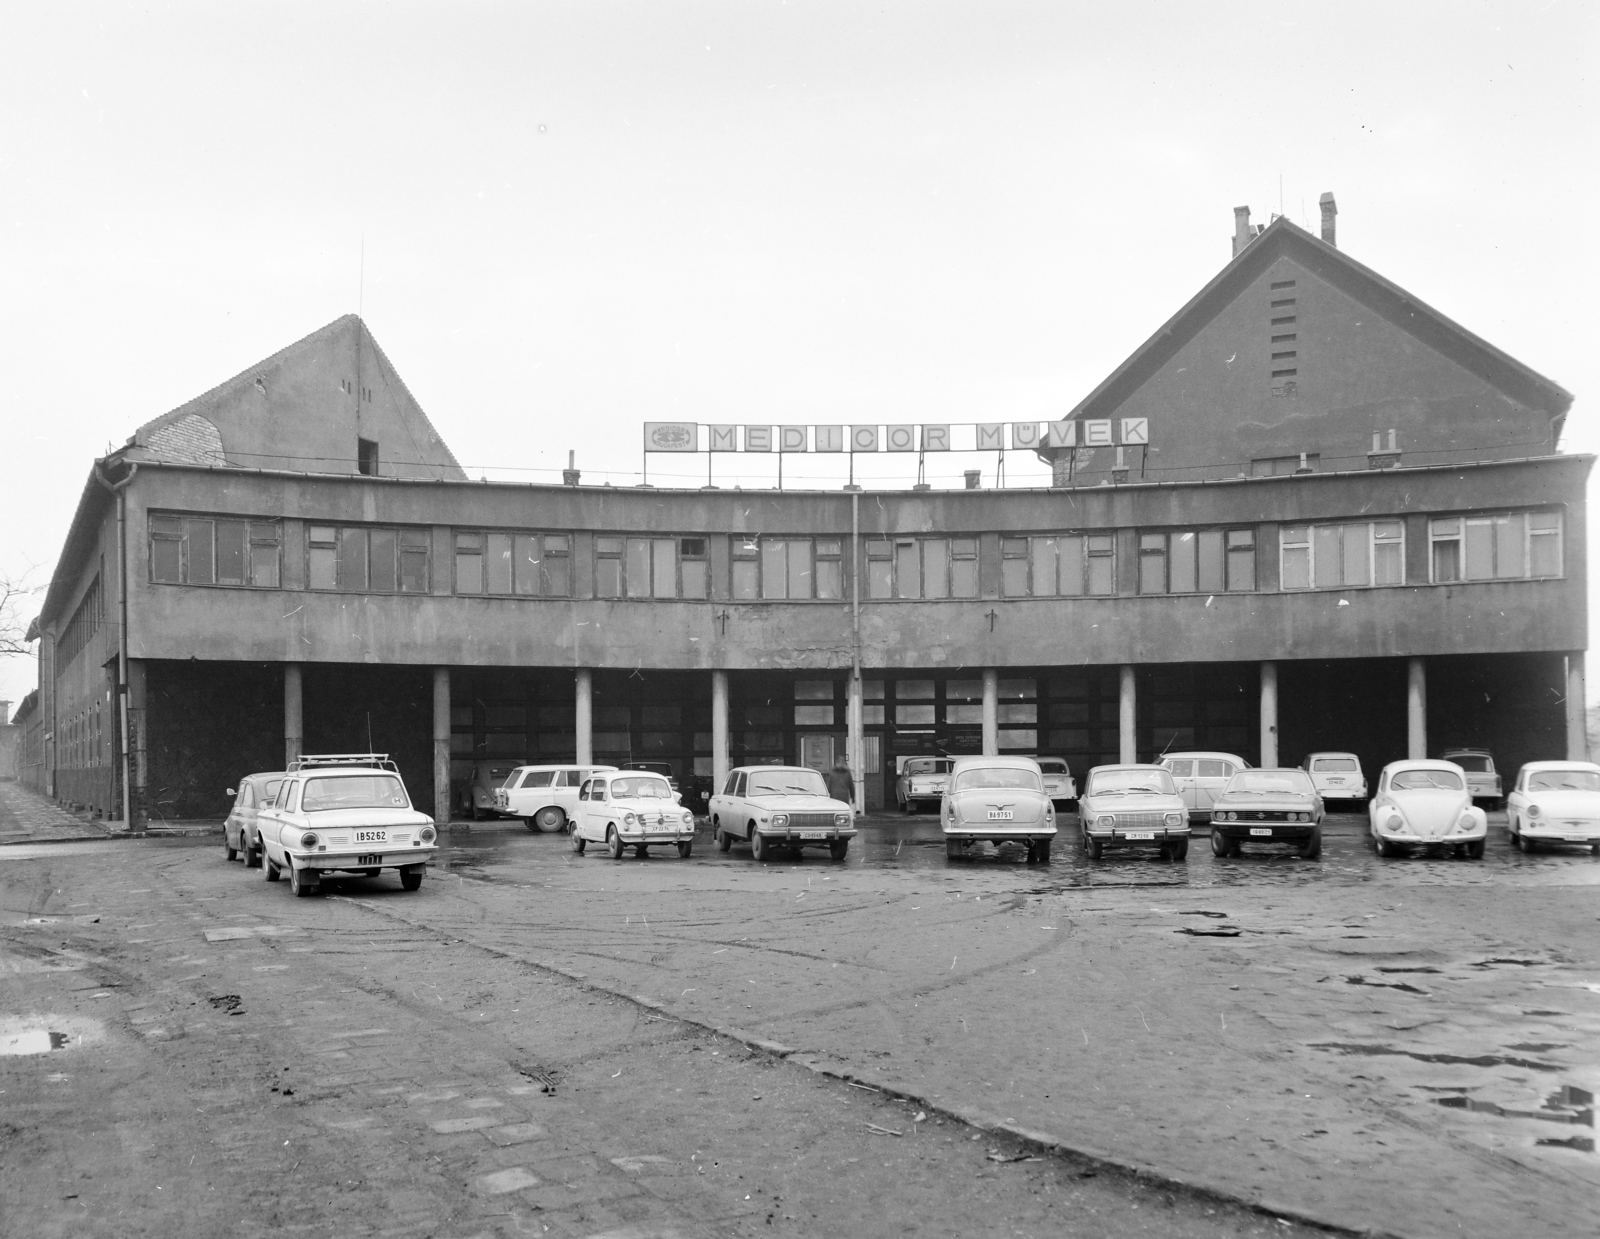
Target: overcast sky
pixel 578 217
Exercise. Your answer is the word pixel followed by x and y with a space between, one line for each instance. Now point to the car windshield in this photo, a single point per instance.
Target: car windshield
pixel 1474 763
pixel 1122 782
pixel 1426 780
pixel 1052 767
pixel 788 783
pixel 997 776
pixel 1329 764
pixel 366 791
pixel 1564 781
pixel 1269 783
pixel 928 765
pixel 649 787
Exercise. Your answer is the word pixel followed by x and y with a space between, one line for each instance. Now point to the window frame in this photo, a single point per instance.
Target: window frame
pixel 1309 543
pixel 259 531
pixel 957 569
pixel 753 559
pixel 1464 521
pixel 552 545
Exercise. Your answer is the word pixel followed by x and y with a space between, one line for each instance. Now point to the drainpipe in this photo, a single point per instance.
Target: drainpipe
pixel 854 744
pixel 116 489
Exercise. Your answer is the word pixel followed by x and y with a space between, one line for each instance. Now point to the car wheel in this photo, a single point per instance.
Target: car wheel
pixel 1312 847
pixel 724 840
pixel 613 843
pixel 1180 850
pixel 550 818
pixel 759 847
pixel 1383 847
pixel 1039 853
pixel 1221 845
pixel 953 849
pixel 685 847
pixel 252 855
pixel 838 849
pixel 271 871
pixel 1524 844
pixel 299 883
pixel 1097 848
pixel 227 845
pixel 411 879
pixel 1475 850
pixel 578 841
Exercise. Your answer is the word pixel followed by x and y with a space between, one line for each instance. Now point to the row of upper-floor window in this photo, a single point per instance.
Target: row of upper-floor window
pixel 203 550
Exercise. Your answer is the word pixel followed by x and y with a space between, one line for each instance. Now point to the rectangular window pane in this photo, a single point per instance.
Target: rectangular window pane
pixel 1069 568
pixel 323 565
pixel 799 569
pixel 1388 568
pixel 1181 562
pixel 774 569
pixel 967 712
pixel 744 578
pixel 1210 579
pixel 1241 559
pixel 555 573
pixel 1101 577
pixel 1480 551
pixel 638 569
pixel 230 552
pixel 264 565
pixel 813 716
pixel 665 552
pixel 608 576
pixel 525 560
pixel 1544 551
pixel 830 578
pixel 1153 563
pixel 935 568
pixel 913 690
pixel 1018 690
pixel 913 716
pixel 197 534
pixel 1019 712
pixel 880 578
pixel 696 577
pixel 1447 560
pixel 1357 540
pixel 908 570
pixel 384 544
pixel 1326 557
pixel 497 563
pixel 1018 739
pixel 964 578
pixel 1509 539
pixel 414 545
pixel 469 570
pixel 165 557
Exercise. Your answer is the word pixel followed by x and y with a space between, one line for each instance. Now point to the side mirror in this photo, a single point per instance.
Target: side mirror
pixel 232 792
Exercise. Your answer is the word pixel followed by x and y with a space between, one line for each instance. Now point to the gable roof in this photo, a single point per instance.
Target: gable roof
pixel 1283 238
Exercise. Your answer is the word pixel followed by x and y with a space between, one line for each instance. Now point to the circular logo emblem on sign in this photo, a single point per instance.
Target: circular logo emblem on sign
pixel 671 437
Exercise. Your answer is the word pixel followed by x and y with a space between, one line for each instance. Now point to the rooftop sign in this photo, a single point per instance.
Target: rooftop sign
pixel 941 437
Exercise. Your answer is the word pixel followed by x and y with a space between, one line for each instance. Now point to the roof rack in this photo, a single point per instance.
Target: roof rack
pixel 318 761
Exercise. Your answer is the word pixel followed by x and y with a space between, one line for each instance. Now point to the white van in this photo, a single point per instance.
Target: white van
pixel 1200 778
pixel 1336 776
pixel 544 797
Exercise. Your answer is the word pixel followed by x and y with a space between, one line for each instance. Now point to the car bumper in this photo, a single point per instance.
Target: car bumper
pixel 1251 832
pixel 1412 839
pixel 1000 833
pixel 1585 832
pixel 680 834
pixel 1138 838
pixel 392 858
pixel 800 838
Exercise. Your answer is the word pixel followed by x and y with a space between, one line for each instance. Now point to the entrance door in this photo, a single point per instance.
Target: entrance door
pixel 817 752
pixel 872 769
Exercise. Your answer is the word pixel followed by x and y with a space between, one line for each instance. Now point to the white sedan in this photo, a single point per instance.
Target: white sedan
pixel 1422 804
pixel 1555 802
pixel 780 806
pixel 629 810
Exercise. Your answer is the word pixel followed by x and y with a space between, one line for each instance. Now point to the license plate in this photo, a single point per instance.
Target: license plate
pixel 1261 830
pixel 1001 815
pixel 369 860
pixel 372 836
pixel 1140 834
pixel 1335 780
pixel 813 834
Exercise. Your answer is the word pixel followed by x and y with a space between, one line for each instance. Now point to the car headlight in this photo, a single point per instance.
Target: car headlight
pixel 308 840
pixel 1105 821
pixel 428 834
pixel 841 819
pixel 1173 819
pixel 1533 810
pixel 1395 822
pixel 629 819
pixel 1225 816
pixel 1467 822
pixel 780 819
pixel 688 818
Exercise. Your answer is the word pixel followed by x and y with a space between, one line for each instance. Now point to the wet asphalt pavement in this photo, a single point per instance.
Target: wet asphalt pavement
pixel 1402 1045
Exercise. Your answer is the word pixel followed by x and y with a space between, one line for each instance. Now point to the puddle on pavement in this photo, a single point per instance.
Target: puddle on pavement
pixel 1568 1104
pixel 22 1035
pixel 1460 1060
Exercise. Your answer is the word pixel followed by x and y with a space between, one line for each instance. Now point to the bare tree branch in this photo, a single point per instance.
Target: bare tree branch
pixel 18 599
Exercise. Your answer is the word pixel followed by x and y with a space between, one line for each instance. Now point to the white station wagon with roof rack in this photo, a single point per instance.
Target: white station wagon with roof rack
pixel 343 813
pixel 544 797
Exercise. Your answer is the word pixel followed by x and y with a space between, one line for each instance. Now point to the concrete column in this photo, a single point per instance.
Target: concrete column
pixel 441 745
pixel 719 730
pixel 1269 715
pixel 1416 710
pixel 1577 712
pixel 139 767
pixel 1127 718
pixel 991 711
pixel 583 721
pixel 853 743
pixel 294 727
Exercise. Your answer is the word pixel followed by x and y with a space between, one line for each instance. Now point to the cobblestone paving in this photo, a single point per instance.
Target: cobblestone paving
pixel 27 817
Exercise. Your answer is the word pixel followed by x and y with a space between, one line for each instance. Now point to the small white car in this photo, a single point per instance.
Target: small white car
pixel 781 806
pixel 344 813
pixel 1201 777
pixel 627 809
pixel 239 831
pixel 1133 806
pixel 1336 776
pixel 1555 802
pixel 997 800
pixel 1423 804
pixel 1058 782
pixel 1478 764
pixel 921 782
pixel 544 797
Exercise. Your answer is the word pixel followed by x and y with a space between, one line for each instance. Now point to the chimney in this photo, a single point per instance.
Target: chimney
pixel 1242 235
pixel 973 476
pixel 1384 456
pixel 569 475
pixel 1330 211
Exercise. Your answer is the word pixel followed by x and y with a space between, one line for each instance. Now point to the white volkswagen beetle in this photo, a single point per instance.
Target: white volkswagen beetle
pixel 1422 804
pixel 1555 802
pixel 631 810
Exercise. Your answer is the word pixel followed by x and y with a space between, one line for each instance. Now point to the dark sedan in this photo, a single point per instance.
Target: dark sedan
pixel 1268 806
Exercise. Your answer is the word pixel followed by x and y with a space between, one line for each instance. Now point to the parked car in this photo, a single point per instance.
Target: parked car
pixel 663 768
pixel 239 833
pixel 920 782
pixel 1268 806
pixel 1058 782
pixel 1336 776
pixel 1555 802
pixel 1200 778
pixel 997 800
pixel 1482 780
pixel 344 813
pixel 1425 804
pixel 544 797
pixel 625 809
pixel 477 793
pixel 1133 806
pixel 780 806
